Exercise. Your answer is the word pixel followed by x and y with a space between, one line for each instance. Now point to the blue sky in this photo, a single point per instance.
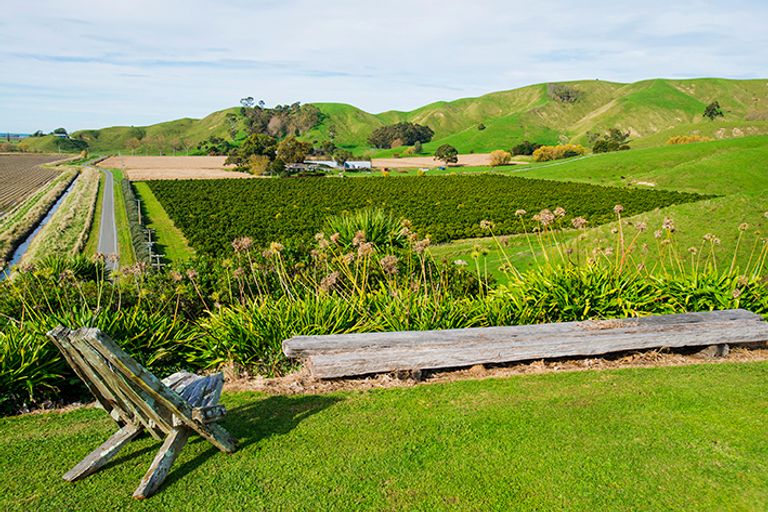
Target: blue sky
pixel 87 64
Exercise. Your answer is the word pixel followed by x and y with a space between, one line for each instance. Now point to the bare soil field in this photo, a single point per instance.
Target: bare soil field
pixel 143 168
pixel 477 159
pixel 21 175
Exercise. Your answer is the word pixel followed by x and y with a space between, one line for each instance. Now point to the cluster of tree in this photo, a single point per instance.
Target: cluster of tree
pixel 525 148
pixel 213 145
pixel 564 93
pixel 280 121
pixel 546 153
pixel 612 140
pixel 262 154
pixel 400 134
pixel 713 110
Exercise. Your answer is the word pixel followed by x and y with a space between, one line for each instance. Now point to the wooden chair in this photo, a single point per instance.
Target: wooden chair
pixel 169 410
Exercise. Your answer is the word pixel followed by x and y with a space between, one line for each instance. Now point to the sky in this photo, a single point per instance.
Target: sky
pixel 89 64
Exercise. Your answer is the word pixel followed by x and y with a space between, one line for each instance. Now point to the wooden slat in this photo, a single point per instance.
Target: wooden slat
pixel 155 420
pixel 162 463
pixel 304 346
pixel 159 392
pixel 101 455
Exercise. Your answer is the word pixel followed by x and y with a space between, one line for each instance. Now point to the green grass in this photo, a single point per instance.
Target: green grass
pixel 674 438
pixel 124 243
pixel 170 240
pixel 92 246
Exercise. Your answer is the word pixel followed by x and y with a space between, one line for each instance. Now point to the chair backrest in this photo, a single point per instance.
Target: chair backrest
pixel 129 392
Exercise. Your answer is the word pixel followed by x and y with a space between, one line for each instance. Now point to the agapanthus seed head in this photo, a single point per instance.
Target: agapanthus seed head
pixel 335 238
pixel 545 217
pixel 736 293
pixel 460 263
pixel 389 264
pixel 365 249
pixel 421 245
pixel 743 226
pixel 668 224
pixel 693 250
pixel 242 244
pixel 559 212
pixel 358 238
pixel 618 209
pixel 520 212
pixel 641 226
pixel 579 222
pixel 329 281
pixel 192 274
pixel 486 225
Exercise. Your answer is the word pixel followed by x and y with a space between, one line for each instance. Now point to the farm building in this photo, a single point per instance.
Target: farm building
pixel 350 165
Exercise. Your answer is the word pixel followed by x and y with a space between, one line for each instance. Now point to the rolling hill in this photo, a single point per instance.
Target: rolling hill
pixel 652 110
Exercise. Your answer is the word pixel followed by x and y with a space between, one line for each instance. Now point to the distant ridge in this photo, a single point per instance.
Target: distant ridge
pixel 652 110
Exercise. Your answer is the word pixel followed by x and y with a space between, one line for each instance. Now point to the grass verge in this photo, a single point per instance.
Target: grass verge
pixel 91 247
pixel 671 438
pixel 68 229
pixel 124 243
pixel 170 240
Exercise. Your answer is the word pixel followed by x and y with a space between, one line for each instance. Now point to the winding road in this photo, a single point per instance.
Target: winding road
pixel 108 245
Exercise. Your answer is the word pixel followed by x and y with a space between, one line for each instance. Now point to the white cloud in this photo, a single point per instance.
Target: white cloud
pixel 88 64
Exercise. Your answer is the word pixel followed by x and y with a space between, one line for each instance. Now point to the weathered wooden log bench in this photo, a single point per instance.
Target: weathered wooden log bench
pixel 345 355
pixel 169 410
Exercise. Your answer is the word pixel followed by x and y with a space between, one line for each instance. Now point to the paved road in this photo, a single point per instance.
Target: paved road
pixel 108 228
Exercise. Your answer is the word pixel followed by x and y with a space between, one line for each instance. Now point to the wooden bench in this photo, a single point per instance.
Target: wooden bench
pixel 344 355
pixel 169 410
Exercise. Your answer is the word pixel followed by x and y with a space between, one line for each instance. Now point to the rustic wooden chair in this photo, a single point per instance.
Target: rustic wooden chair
pixel 169 410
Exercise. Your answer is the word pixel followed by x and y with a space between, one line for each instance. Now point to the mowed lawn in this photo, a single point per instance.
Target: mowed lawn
pixel 675 438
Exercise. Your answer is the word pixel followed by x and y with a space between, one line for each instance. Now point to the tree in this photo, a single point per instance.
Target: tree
pixel 255 144
pixel 713 110
pixel 500 157
pixel 417 147
pixel 341 156
pixel 258 165
pixel 447 154
pixel 292 150
pixel 613 140
pixel 215 146
pixel 481 127
pixel 247 102
pixel 60 131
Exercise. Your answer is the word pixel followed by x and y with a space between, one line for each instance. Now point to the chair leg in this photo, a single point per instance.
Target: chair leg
pixel 164 459
pixel 101 455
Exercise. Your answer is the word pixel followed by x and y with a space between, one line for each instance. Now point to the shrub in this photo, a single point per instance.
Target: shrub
pixel 447 154
pixel 563 93
pixel 500 157
pixel 546 153
pixel 139 238
pixel 687 139
pixel 613 140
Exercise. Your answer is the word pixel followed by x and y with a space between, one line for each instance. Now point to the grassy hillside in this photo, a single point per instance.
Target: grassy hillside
pixel 653 110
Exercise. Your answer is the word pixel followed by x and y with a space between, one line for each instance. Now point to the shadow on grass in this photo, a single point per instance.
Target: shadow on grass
pixel 255 421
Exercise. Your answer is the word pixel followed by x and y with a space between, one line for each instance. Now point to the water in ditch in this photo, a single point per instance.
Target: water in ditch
pixel 22 249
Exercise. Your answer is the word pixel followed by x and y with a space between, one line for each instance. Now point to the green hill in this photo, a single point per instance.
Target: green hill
pixel 652 110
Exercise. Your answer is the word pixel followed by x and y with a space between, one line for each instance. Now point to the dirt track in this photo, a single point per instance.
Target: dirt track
pixel 140 168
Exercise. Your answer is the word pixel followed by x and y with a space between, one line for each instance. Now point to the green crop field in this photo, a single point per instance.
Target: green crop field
pixel 212 213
